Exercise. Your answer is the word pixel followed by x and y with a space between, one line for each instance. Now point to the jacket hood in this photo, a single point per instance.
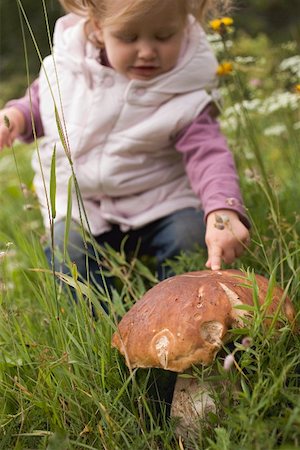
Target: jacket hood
pixel 195 69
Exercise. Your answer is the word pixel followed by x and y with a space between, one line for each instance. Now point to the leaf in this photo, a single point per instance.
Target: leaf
pixel 240 331
pixel 245 389
pixel 245 307
pixel 58 441
pixel 145 271
pixel 78 285
pixel 11 362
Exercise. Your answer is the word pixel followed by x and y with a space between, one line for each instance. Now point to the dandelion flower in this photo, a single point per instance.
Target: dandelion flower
pixel 227 21
pixel 224 69
pixel 297 88
pixel 220 25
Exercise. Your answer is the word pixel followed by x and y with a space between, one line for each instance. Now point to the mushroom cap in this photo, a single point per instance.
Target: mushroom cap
pixel 183 320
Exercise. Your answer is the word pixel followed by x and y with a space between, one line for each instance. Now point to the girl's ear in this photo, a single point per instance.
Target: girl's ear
pixel 97 33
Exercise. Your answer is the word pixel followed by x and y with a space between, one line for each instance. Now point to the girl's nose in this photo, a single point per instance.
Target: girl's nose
pixel 146 51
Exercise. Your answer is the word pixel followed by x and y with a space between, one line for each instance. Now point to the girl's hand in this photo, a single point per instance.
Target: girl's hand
pixel 226 238
pixel 12 124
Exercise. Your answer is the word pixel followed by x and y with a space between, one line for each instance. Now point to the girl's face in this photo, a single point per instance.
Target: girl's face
pixel 146 47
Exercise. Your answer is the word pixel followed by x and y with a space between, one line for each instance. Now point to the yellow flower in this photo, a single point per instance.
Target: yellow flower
pixel 224 68
pixel 297 88
pixel 220 25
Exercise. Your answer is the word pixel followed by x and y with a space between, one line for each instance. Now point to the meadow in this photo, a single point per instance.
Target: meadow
pixel 62 386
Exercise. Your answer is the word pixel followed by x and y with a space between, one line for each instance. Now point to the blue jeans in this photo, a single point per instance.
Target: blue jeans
pixel 164 239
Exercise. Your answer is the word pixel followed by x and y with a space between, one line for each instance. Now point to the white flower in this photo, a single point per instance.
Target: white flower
pixel 245 59
pixel 279 100
pixel 249 105
pixel 296 126
pixel 275 130
pixel 290 46
pixel 228 362
pixel 217 44
pixel 252 105
pixel 214 37
pixel 229 124
pixel 292 64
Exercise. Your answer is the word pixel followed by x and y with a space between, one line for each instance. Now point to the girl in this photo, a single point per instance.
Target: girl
pixel 131 80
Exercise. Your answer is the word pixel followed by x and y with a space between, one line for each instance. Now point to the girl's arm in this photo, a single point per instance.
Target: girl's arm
pixel 213 177
pixel 29 107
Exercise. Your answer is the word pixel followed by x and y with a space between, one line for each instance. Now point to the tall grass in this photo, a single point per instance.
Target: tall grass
pixel 62 386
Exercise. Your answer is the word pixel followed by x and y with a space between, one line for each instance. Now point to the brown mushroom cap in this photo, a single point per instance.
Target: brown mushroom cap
pixel 183 320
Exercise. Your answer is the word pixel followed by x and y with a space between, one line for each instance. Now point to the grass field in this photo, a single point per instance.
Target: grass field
pixel 63 387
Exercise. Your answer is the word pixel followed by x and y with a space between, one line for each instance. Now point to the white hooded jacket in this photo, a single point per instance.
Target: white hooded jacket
pixel 120 132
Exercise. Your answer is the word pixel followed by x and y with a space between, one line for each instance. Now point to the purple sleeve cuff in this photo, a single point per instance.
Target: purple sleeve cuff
pixel 29 107
pixel 210 166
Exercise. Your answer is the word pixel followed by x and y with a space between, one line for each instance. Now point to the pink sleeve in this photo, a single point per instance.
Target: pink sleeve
pixel 210 165
pixel 29 105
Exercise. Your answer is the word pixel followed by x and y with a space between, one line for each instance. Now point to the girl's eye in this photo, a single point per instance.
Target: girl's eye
pixel 164 37
pixel 126 38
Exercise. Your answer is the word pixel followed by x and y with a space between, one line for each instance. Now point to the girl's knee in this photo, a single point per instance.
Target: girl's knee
pixel 183 232
pixel 74 251
pixel 187 230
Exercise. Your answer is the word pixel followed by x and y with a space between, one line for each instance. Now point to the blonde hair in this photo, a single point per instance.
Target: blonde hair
pixel 104 9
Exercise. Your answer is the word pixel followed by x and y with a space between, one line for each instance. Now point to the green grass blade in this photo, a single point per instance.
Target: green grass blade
pixel 61 134
pixel 53 184
pixel 68 216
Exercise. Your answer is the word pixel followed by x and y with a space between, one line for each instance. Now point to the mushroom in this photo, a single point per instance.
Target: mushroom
pixel 184 320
